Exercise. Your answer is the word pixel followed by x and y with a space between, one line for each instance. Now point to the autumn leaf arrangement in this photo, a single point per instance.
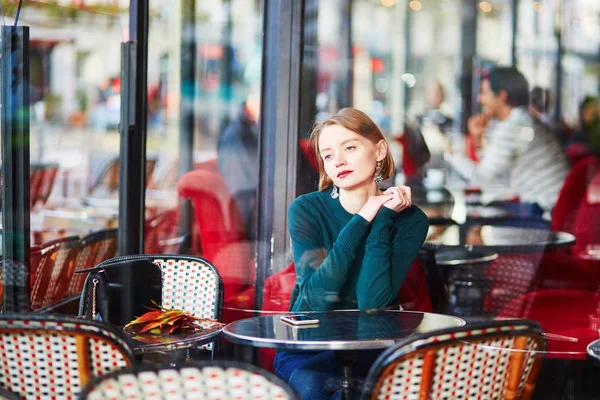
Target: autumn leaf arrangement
pixel 162 320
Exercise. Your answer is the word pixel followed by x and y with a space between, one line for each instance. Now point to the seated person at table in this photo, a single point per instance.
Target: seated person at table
pixel 352 243
pixel 237 159
pixel 517 147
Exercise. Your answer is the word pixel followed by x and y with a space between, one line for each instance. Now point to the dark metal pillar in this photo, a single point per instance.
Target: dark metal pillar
pixel 134 111
pixel 514 26
pixel 15 168
pixel 186 106
pixel 468 41
pixel 306 177
pixel 346 84
pixel 278 131
pixel 226 61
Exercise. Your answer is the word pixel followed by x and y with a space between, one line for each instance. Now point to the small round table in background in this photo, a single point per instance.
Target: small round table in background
pixel 593 351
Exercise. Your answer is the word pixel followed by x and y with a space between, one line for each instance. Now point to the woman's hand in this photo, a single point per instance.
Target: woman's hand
pixel 476 125
pixel 401 198
pixel 372 206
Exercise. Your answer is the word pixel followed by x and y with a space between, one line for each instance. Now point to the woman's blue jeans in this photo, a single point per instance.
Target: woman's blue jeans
pixel 318 375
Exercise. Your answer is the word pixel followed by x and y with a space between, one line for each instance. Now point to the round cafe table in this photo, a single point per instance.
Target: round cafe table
pixel 345 332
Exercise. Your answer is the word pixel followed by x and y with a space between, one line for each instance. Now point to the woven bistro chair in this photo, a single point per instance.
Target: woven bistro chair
pixel 198 380
pixel 49 275
pixel 492 360
pixel 45 356
pixel 96 247
pixel 190 284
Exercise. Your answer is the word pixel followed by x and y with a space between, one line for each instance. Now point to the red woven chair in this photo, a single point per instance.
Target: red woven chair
pixel 494 360
pixel 95 248
pixel 577 211
pixel 49 277
pixel 572 193
pixel 197 380
pixel 45 357
pixel 41 181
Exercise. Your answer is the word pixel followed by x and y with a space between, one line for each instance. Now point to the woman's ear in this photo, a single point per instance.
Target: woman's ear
pixel 382 149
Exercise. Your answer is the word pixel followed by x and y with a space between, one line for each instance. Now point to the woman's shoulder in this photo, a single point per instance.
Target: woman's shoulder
pixel 308 201
pixel 413 215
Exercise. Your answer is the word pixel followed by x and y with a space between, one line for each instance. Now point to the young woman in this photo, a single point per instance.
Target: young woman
pixel 352 243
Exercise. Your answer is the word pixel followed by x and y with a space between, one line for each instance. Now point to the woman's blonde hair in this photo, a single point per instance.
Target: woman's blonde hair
pixel 358 122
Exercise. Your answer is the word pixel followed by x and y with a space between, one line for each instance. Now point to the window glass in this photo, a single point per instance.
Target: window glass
pixel 204 75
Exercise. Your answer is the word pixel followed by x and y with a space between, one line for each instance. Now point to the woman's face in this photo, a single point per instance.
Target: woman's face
pixel 349 159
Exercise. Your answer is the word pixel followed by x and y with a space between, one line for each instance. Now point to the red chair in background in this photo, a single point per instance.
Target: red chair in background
pixel 162 235
pixel 41 181
pixel 572 194
pixel 577 152
pixel 577 211
pixel 307 148
pixel 563 312
pixel 222 233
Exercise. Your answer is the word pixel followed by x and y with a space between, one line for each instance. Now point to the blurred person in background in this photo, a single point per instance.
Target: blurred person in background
pixel 516 146
pixel 237 158
pixel 539 107
pixel 589 130
pixel 434 108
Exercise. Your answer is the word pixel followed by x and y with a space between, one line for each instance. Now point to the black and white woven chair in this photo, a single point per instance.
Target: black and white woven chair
pixel 47 356
pixel 492 360
pixel 190 284
pixel 199 380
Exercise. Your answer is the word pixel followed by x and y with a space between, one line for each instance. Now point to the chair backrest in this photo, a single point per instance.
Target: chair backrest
pixel 189 283
pixel 108 176
pixel 8 395
pixel 572 194
pixel 198 380
pixel 95 248
pixel 55 356
pixel 511 275
pixel 49 276
pixel 41 181
pixel 497 359
pixel 587 222
pixel 222 231
pixel 160 227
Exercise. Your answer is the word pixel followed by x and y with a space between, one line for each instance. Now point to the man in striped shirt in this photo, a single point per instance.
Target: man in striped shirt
pixel 517 148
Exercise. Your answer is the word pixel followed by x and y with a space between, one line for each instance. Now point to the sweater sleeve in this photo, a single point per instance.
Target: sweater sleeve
pixel 320 275
pixel 389 254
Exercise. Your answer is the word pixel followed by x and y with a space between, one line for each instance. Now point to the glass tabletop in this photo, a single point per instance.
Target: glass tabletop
pixel 336 330
pixel 498 238
pixel 144 343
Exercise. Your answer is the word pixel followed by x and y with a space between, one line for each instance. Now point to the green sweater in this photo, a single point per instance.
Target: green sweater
pixel 344 262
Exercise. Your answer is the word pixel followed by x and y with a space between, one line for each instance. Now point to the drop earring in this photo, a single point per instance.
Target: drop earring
pixel 334 192
pixel 378 177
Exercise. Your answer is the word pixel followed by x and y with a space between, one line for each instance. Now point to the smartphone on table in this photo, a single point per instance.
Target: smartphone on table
pixel 299 319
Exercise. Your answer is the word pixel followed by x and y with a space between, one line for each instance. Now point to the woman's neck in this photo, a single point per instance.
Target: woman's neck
pixel 354 199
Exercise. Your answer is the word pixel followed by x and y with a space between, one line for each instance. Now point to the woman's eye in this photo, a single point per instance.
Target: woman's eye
pixel 350 147
pixel 327 157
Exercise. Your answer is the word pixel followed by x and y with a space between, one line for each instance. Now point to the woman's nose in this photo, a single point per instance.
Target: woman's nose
pixel 339 161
